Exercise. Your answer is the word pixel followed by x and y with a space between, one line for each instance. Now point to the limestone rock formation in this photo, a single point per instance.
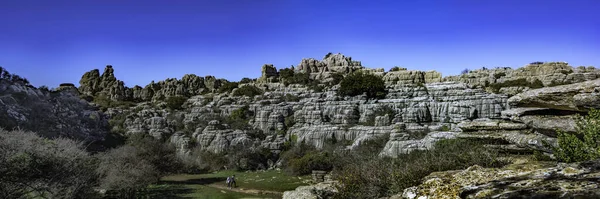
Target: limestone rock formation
pixel 404 76
pixel 59 113
pixel 321 190
pixel 524 179
pixel 535 75
pixel 269 74
pixel 573 97
pixel 420 108
pixel 330 63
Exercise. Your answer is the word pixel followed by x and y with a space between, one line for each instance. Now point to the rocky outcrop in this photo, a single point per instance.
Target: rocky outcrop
pixel 535 75
pixel 525 179
pixel 269 74
pixel 59 113
pixel 401 143
pixel 219 138
pixel 420 108
pixel 573 97
pixel 507 133
pixel 404 76
pixel 107 85
pixel 330 63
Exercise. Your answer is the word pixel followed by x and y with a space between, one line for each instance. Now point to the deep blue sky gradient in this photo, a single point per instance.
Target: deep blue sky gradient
pixel 51 42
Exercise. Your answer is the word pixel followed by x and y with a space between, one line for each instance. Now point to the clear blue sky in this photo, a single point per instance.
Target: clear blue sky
pixel 55 41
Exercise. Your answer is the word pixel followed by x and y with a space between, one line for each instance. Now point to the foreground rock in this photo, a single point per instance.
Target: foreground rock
pixel 525 179
pixel 321 190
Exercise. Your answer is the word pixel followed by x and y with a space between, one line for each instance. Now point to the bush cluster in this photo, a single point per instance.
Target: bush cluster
pixel 358 83
pixel 302 158
pixel 36 167
pixel 288 76
pixel 583 145
pixel 247 90
pixel 228 87
pixel 176 102
pixel 370 176
pixel 239 158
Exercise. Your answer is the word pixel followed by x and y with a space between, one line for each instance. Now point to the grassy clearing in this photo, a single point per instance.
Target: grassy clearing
pixel 260 180
pixel 194 191
pixel 213 185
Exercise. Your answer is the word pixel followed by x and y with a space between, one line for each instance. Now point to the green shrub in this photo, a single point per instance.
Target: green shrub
pixel 337 78
pixel 123 173
pixel 395 68
pixel 246 80
pixel 583 145
pixel 302 158
pixel 247 90
pixel 162 156
pixel 176 102
pixel 291 98
pixel 374 177
pixel 445 128
pixel 358 83
pixel 228 87
pixel 239 118
pixel 499 75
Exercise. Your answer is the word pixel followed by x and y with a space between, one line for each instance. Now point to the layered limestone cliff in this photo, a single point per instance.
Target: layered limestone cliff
pixel 420 108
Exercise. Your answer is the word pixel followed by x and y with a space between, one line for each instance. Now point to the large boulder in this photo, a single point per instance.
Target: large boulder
pixel 523 179
pixel 573 97
pixel 321 190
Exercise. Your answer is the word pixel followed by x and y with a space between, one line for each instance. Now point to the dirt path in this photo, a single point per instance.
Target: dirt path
pixel 243 190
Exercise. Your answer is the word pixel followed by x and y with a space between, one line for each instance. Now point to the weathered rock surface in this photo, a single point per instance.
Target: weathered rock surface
pixel 573 97
pixel 94 84
pixel 51 114
pixel 420 108
pixel 321 190
pixel 330 63
pixel 513 81
pixel 400 143
pixel 518 180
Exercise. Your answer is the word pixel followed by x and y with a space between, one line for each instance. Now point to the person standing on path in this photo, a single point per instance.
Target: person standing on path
pixel 228 182
pixel 233 184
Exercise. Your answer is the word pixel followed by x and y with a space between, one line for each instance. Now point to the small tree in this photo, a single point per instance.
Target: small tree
pixel 36 167
pixel 247 90
pixel 228 87
pixel 176 102
pixel 358 83
pixel 583 145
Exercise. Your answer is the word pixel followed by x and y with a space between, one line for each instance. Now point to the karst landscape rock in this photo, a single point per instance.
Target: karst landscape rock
pixel 519 110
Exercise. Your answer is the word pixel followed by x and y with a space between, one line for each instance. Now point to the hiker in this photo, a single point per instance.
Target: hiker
pixel 228 181
pixel 233 184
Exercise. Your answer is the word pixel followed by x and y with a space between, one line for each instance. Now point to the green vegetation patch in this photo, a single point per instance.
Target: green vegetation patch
pixel 248 90
pixel 270 180
pixel 358 83
pixel 583 145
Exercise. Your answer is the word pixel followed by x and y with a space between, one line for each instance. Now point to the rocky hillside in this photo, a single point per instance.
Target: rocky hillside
pixel 420 106
pixel 57 113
